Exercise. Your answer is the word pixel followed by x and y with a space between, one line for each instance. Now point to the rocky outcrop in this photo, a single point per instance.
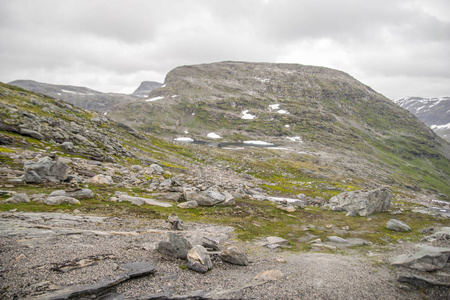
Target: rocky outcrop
pixel 427 259
pixel 362 203
pixel 77 194
pixel 46 168
pixel 233 255
pixel 57 200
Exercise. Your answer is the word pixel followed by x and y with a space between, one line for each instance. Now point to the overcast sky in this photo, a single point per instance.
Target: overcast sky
pixel 398 47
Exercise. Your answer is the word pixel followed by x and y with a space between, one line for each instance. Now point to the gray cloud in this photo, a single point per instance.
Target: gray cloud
pixel 399 47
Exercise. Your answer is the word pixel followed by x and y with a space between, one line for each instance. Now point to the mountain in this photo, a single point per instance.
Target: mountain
pixel 145 88
pixel 434 112
pixel 306 108
pixel 79 96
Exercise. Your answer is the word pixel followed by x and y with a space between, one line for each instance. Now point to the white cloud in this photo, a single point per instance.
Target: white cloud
pixel 399 47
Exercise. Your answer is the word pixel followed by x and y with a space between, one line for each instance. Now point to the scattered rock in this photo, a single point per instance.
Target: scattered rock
pixel 397 225
pixel 188 204
pixel 422 281
pixel 175 223
pixel 32 133
pixel 211 243
pixel 427 259
pixel 286 206
pixel 212 196
pixel 123 197
pixel 68 146
pixel 78 194
pixel 101 179
pixel 174 197
pixel 233 255
pixel 276 242
pixel 18 198
pixel 199 260
pixel 174 246
pixel 56 200
pixel 337 239
pixel 362 203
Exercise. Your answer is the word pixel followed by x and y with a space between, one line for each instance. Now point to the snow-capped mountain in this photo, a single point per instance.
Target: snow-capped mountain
pixel 434 112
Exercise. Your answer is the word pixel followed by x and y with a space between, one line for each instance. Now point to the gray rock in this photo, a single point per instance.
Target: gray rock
pixel 174 246
pixel 337 239
pixel 175 223
pixel 136 168
pixel 397 225
pixel 18 198
pixel 48 169
pixel 422 281
pixel 210 242
pixel 175 197
pixel 56 200
pixel 32 177
pixel 140 200
pixel 233 255
pixel 31 133
pixel 77 194
pixel 188 204
pixel 101 179
pixel 68 146
pixel 212 196
pixel 362 203
pixel 275 240
pixel 428 259
pixel 199 260
pixel 157 169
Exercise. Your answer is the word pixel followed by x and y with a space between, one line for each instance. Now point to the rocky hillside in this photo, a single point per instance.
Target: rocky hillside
pixel 79 96
pixel 304 107
pixel 145 88
pixel 434 112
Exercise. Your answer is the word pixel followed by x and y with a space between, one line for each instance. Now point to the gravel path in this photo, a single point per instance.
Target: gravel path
pixel 41 253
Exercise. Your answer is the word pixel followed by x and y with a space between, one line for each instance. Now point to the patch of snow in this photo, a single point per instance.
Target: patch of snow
pixel 59 94
pixel 274 106
pixel 154 99
pixel 213 135
pixel 280 199
pixel 105 113
pixel 174 96
pixel 287 126
pixel 283 112
pixel 163 86
pixel 295 139
pixel 247 116
pixel 233 148
pixel 258 143
pixel 262 80
pixel 184 139
pixel 420 108
pixel 438 127
pixel 70 92
pixel 186 131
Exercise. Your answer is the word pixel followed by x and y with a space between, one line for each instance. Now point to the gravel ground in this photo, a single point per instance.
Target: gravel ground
pixel 34 245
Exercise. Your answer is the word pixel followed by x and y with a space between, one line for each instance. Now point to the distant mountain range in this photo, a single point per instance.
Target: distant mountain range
pixel 84 97
pixel 434 112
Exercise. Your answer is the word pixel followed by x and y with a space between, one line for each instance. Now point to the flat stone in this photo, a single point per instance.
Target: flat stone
pixel 337 239
pixel 269 275
pixel 277 240
pixel 56 200
pixel 427 259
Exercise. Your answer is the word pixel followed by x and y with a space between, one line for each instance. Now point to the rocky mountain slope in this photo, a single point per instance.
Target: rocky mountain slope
pixel 73 178
pixel 79 96
pixel 304 107
pixel 434 112
pixel 145 88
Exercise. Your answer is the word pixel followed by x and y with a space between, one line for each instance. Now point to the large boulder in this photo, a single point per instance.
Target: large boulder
pixel 199 260
pixel 18 198
pixel 47 169
pixel 212 196
pixel 174 246
pixel 101 179
pixel 362 203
